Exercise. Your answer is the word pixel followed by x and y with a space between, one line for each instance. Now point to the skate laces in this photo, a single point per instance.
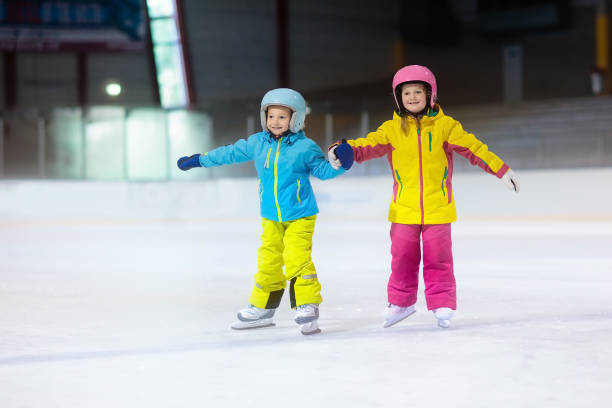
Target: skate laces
pixel 252 311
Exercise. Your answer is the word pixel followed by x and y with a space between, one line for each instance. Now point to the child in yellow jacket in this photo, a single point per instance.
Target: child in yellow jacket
pixel 419 143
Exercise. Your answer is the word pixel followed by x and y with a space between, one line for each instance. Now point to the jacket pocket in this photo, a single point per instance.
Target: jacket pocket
pixel 443 186
pixel 297 193
pixel 260 189
pixel 400 185
pixel 267 163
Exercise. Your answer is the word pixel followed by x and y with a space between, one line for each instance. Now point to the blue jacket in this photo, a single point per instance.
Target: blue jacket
pixel 283 167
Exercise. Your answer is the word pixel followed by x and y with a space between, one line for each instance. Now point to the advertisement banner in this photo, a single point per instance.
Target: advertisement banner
pixel 72 25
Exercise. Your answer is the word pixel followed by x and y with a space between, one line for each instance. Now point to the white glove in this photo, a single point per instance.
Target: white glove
pixel 511 181
pixel 333 160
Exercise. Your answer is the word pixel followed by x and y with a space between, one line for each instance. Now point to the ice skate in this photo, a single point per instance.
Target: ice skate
pixel 395 314
pixel 253 317
pixel 444 316
pixel 306 313
pixel 307 316
pixel 310 328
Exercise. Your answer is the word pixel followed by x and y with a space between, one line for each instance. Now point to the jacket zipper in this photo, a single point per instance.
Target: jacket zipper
pixel 421 170
pixel 280 219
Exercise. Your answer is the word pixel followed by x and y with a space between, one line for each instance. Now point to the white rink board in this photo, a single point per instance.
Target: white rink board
pixel 544 193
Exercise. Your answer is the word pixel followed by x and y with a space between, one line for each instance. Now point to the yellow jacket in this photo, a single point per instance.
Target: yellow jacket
pixel 421 160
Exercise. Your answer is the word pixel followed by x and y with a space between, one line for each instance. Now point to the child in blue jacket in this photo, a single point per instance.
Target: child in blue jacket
pixel 284 159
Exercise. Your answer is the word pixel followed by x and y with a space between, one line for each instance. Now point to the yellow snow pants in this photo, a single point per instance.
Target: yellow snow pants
pixel 287 244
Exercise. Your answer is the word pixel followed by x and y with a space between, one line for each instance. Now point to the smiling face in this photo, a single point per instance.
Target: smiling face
pixel 414 97
pixel 277 120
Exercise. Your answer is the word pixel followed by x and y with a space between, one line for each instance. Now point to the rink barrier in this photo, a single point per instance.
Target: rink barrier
pixel 572 195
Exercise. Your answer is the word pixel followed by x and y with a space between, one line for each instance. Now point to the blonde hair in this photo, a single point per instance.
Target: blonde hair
pixel 404 125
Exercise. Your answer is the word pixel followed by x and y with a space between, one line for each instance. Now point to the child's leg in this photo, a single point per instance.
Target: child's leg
pixel 440 290
pixel 299 269
pixel 269 280
pixel 405 259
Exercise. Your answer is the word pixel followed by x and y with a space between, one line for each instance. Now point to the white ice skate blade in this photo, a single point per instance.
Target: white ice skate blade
pixel 396 318
pixel 308 333
pixel 255 324
pixel 309 328
pixel 444 323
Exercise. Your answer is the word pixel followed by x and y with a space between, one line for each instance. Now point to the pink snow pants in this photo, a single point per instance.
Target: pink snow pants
pixel 440 290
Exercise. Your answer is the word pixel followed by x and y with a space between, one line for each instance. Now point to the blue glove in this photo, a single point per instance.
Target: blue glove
pixel 189 162
pixel 344 153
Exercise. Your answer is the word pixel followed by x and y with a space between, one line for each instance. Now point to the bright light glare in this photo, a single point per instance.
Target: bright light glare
pixel 113 89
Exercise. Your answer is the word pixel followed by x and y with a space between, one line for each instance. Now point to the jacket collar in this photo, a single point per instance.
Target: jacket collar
pixel 429 117
pixel 288 138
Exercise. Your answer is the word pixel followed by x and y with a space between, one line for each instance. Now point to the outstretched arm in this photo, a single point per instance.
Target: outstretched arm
pixel 238 152
pixel 478 153
pixel 375 144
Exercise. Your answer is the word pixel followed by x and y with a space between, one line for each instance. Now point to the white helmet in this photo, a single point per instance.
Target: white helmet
pixel 290 99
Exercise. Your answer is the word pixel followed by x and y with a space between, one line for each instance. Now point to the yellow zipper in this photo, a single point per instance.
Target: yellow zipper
pixel 276 180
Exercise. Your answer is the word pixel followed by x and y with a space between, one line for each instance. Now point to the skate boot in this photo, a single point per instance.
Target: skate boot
pixel 252 317
pixel 395 314
pixel 307 316
pixel 444 316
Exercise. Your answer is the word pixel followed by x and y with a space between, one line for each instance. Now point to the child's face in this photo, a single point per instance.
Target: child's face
pixel 414 97
pixel 278 119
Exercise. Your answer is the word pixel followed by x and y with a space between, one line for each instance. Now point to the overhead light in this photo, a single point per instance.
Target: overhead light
pixel 113 88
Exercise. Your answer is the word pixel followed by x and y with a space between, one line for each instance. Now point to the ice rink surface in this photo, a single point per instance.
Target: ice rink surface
pixel 134 311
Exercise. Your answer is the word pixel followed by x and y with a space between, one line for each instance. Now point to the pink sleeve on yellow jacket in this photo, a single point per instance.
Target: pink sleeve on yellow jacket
pixel 478 153
pixel 375 144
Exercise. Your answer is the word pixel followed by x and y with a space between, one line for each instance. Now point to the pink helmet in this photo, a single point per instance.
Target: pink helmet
pixel 415 73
